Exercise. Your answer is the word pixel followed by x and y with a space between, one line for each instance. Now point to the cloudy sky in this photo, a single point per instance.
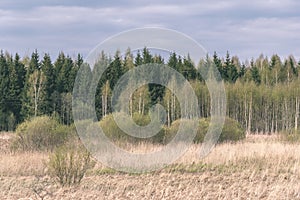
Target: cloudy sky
pixel 245 28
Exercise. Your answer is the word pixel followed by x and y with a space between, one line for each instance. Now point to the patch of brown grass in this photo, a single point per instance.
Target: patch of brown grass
pixel 260 167
pixel 23 164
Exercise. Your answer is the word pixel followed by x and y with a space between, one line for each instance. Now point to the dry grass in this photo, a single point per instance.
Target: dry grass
pixel 23 164
pixel 261 167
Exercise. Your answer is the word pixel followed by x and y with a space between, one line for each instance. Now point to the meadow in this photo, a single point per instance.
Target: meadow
pixel 258 167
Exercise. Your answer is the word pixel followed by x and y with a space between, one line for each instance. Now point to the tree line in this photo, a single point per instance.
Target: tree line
pixel 262 94
pixel 33 86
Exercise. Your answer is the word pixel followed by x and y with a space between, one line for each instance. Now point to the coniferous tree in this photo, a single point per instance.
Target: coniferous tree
pixel 28 108
pixel 138 59
pixel 255 75
pixel 189 71
pixel 263 95
pixel 115 70
pixel 231 73
pixel 147 57
pixel 4 90
pixel 58 65
pixel 173 61
pixel 47 106
pixel 17 84
pixel 218 64
pixel 13 95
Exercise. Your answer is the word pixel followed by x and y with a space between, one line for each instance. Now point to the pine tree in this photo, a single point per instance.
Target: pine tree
pixel 63 82
pixel 218 63
pixel 138 59
pixel 147 57
pixel 47 106
pixel 231 73
pixel 17 79
pixel 173 61
pixel 58 65
pixel 4 91
pixel 115 70
pixel 255 75
pixel 31 87
pixel 34 64
pixel 13 95
pixel 189 71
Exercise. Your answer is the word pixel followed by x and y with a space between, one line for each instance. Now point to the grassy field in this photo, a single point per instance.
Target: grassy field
pixel 260 167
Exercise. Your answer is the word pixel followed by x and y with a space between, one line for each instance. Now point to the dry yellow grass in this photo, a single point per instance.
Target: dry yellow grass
pixel 261 167
pixel 23 164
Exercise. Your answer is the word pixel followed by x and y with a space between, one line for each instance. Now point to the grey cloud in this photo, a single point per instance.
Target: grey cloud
pixel 246 28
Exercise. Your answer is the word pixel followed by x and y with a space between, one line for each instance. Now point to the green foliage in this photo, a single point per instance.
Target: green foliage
pixel 112 131
pixel 262 95
pixel 228 70
pixel 69 163
pixel 5 91
pixel 48 71
pixel 232 130
pixel 171 131
pixel 255 75
pixel 141 120
pixel 290 136
pixel 32 78
pixel 41 133
pixel 138 59
pixel 202 130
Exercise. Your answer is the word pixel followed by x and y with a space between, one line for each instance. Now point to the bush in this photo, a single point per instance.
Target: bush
pixel 291 136
pixel 41 133
pixel 232 130
pixel 114 133
pixel 171 131
pixel 69 163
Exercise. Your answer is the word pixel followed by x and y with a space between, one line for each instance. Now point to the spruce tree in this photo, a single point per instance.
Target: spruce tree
pixel 28 109
pixel 4 91
pixel 49 84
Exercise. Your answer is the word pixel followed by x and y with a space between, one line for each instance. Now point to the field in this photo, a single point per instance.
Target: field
pixel 260 167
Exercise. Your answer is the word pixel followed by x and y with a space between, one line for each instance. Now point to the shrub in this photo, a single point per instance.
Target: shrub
pixel 232 130
pixel 69 163
pixel 141 120
pixel 41 133
pixel 291 136
pixel 111 129
pixel 114 133
pixel 171 131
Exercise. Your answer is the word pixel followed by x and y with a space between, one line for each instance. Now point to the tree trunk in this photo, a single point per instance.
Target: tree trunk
pixel 250 115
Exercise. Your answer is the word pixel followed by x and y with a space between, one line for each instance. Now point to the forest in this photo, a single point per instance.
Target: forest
pixel 263 94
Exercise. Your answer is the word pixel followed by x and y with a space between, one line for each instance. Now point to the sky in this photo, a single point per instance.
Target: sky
pixel 244 28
